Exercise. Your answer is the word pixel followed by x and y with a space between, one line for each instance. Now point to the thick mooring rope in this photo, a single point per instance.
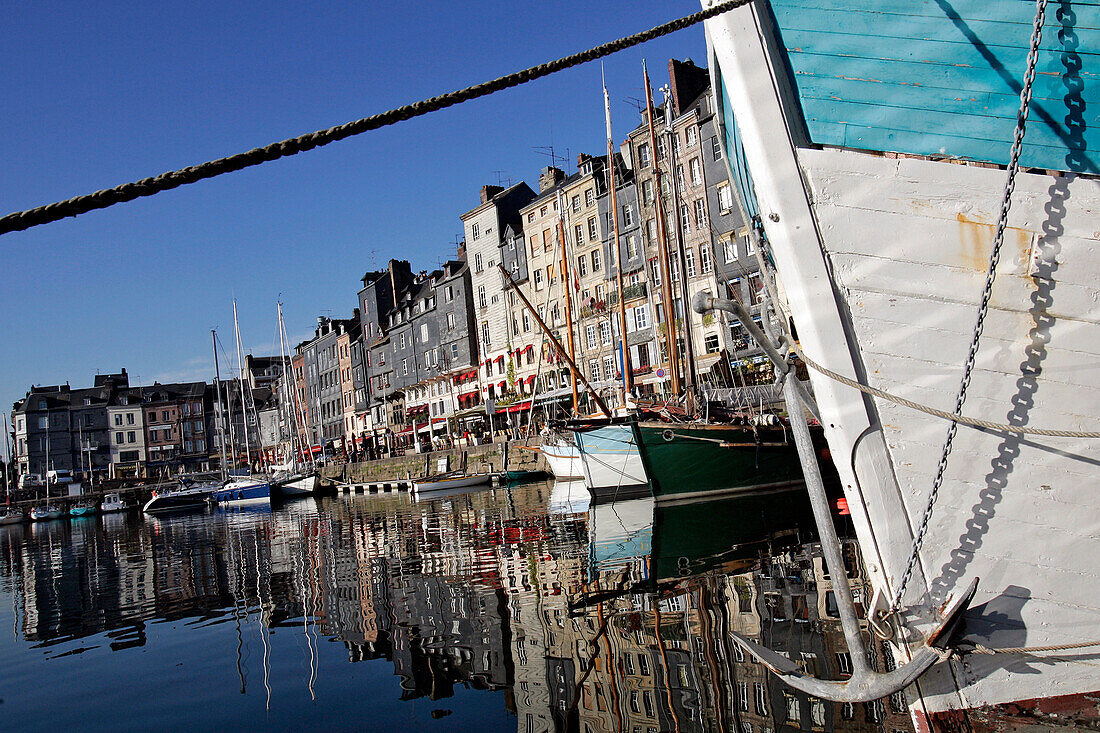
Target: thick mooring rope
pixel 21 220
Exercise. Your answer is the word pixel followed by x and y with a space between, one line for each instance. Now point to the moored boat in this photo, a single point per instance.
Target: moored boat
pixel 450 481
pixel 691 460
pixel 883 191
pixel 611 462
pixel 113 503
pixel 295 483
pixel 45 512
pixel 82 509
pixel 563 457
pixel 11 515
pixel 243 491
pixel 181 499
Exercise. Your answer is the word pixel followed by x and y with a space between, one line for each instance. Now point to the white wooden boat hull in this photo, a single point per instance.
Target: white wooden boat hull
pixel 881 262
pixel 456 482
pixel 301 486
pixel 564 460
pixel 611 463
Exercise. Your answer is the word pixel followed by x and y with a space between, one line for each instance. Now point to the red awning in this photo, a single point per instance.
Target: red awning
pixel 530 347
pixel 500 358
pixel 402 432
pixel 503 385
pixel 520 407
pixel 466 395
pixel 421 425
pixel 531 379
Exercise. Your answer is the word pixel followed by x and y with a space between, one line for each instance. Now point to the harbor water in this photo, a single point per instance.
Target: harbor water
pixel 512 609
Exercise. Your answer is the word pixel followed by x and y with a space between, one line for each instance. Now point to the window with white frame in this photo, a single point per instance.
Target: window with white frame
pixel 605 333
pixel 590 335
pixel 696 169
pixel 609 367
pixel 643 155
pixel 477 260
pixel 711 344
pixel 689 260
pixel 538 279
pixel 595 260
pixel 681 184
pixel 582 265
pixel 685 221
pixel 576 203
pixel 578 235
pixel 651 230
pixel 593 230
pixel 641 318
pixel 485 333
pixel 692 136
pixel 700 214
pixel 725 197
pixel 481 296
pixel 628 215
pixel 475 231
pixel 424 333
pixel 647 191
pixel 594 369
pixel 706 262
pixel 715 148
pixel 631 246
pixel 729 251
pixel 589 197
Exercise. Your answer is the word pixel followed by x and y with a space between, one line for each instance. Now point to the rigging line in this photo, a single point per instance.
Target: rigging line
pixel 18 221
pixel 952 416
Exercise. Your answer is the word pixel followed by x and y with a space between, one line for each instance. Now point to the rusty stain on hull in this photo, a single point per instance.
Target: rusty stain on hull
pixel 1072 712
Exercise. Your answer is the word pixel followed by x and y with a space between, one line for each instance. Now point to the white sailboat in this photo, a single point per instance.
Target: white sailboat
pixel 298 477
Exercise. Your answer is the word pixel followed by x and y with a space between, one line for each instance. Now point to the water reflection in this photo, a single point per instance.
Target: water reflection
pixel 606 618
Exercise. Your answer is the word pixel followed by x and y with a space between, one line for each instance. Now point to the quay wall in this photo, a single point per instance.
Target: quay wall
pixel 479 458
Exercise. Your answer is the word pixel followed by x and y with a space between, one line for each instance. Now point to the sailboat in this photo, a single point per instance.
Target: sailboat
pixel 190 495
pixel 296 478
pixel 243 489
pixel 48 510
pixel 9 514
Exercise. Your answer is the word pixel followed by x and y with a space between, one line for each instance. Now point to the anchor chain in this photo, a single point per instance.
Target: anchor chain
pixel 987 292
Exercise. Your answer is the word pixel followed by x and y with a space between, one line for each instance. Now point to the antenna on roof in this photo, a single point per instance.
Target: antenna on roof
pixel 548 151
pixel 636 103
pixel 503 179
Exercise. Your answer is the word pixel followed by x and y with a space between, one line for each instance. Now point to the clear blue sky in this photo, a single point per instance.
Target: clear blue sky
pixel 97 94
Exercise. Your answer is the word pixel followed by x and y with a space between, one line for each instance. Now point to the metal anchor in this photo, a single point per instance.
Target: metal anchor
pixel 865 684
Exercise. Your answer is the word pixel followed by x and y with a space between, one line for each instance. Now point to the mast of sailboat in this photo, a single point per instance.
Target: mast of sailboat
pixel 568 301
pixel 218 393
pixel 297 409
pixel 625 350
pixel 577 374
pixel 240 384
pixel 7 463
pixel 689 356
pixel 662 248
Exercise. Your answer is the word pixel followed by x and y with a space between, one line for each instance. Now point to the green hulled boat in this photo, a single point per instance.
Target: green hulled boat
pixel 695 460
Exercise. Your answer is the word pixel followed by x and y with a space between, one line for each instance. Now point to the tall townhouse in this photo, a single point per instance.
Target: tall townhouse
pixel 566 214
pixel 126 434
pixel 175 422
pixel 41 425
pixel 323 383
pixel 687 175
pixel 629 251
pixel 494 235
pixel 433 347
pixel 384 404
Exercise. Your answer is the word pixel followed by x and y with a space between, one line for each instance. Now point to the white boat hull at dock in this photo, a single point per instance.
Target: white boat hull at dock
pixel 564 459
pixel 453 482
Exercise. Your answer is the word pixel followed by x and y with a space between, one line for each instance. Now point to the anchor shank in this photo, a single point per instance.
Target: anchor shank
pixel 830 543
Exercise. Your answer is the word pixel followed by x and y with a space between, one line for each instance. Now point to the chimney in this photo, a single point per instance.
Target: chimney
pixel 488 192
pixel 582 159
pixel 687 81
pixel 550 177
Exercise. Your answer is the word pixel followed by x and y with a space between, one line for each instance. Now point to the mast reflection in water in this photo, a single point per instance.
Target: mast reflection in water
pixel 499 609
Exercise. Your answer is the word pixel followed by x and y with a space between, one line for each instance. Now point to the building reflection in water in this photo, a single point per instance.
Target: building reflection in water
pixel 606 618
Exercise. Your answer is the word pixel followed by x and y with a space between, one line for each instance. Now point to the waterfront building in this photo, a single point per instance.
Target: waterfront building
pixel 430 341
pixel 494 235
pixel 41 422
pixel 126 434
pixel 322 382
pixel 383 403
pixel 176 427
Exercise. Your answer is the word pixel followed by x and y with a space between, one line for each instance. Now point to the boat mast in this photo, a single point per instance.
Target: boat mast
pixel 662 249
pixel 218 393
pixel 626 366
pixel 568 301
pixel 577 374
pixel 299 417
pixel 240 384
pixel 7 462
pixel 689 357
